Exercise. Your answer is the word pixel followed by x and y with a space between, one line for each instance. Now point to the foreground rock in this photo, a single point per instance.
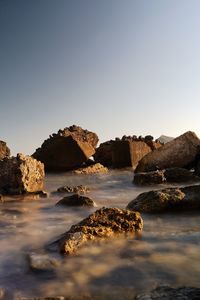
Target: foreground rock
pixel 73 189
pixel 180 152
pixel 4 150
pixel 67 149
pixel 76 200
pixel 93 169
pixel 170 175
pixel 104 223
pixel 21 175
pixel 169 293
pixel 170 199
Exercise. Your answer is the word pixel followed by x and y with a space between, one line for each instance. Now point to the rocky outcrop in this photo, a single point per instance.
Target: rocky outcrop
pixel 93 169
pixel 180 152
pixel 76 200
pixel 67 149
pixel 20 175
pixel 104 223
pixel 170 175
pixel 103 154
pixel 169 293
pixel 73 189
pixel 4 150
pixel 170 199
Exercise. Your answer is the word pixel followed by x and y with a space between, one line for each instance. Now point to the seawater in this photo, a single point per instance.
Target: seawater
pixel 167 252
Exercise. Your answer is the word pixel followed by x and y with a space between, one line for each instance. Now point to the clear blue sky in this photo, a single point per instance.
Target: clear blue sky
pixel 111 66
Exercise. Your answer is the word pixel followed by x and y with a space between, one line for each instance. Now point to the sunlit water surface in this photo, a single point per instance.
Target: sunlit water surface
pixel 166 253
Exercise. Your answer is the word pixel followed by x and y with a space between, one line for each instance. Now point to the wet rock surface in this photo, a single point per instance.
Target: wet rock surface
pixel 76 200
pixel 170 199
pixel 73 189
pixel 21 175
pixel 104 223
pixel 67 149
pixel 170 175
pixel 169 293
pixel 93 169
pixel 4 150
pixel 180 152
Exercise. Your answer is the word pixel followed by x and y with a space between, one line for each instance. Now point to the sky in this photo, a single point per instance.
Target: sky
pixel 114 67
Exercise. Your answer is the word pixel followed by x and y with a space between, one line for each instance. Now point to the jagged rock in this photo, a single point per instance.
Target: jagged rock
pixel 170 175
pixel 93 169
pixel 169 293
pixel 180 152
pixel 127 153
pixel 73 189
pixel 76 200
pixel 20 175
pixel 148 178
pixel 4 150
pixel 67 149
pixel 103 154
pixel 170 199
pixel 104 223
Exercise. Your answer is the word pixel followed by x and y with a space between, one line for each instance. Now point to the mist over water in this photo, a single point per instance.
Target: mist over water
pixel 167 252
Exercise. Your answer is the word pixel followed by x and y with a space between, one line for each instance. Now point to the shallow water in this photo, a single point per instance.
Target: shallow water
pixel 167 252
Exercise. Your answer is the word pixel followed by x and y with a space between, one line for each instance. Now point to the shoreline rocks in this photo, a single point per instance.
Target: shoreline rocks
pixel 167 200
pixel 20 175
pixel 76 200
pixel 68 149
pixel 93 169
pixel 4 150
pixel 180 152
pixel 103 223
pixel 73 189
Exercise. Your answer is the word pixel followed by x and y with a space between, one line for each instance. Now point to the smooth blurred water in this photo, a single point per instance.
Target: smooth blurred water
pixel 166 253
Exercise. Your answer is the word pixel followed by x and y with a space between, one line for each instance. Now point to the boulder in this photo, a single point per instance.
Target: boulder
pixel 76 200
pixel 170 175
pixel 104 223
pixel 127 153
pixel 4 150
pixel 103 154
pixel 20 175
pixel 93 169
pixel 148 178
pixel 73 189
pixel 67 149
pixel 169 293
pixel 170 199
pixel 180 152
pixel 43 262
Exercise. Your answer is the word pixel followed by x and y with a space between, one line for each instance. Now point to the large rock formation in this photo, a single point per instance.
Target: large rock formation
pixel 170 175
pixel 4 150
pixel 103 154
pixel 67 149
pixel 20 175
pixel 180 152
pixel 170 199
pixel 104 223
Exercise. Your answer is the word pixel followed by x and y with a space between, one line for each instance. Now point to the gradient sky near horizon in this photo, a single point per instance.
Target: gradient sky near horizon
pixel 111 66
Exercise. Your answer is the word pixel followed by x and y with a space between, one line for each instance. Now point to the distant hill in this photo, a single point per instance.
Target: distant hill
pixel 165 139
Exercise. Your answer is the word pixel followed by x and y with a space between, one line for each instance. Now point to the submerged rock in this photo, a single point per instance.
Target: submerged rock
pixel 180 152
pixel 4 150
pixel 93 169
pixel 21 175
pixel 43 262
pixel 170 199
pixel 170 175
pixel 73 189
pixel 67 149
pixel 169 293
pixel 104 223
pixel 76 200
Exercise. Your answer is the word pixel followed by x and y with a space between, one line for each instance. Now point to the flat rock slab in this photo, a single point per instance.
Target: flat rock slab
pixel 104 223
pixel 169 293
pixel 93 169
pixel 180 152
pixel 76 200
pixel 170 199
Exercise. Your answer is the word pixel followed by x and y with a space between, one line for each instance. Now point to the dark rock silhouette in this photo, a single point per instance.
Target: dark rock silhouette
pixel 76 200
pixel 4 150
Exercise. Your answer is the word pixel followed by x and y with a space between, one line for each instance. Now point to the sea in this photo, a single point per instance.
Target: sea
pixel 165 253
